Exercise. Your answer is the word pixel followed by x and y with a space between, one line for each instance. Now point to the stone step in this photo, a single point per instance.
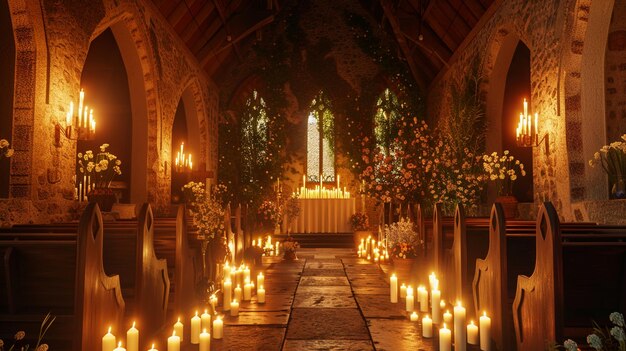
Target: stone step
pixel 321 240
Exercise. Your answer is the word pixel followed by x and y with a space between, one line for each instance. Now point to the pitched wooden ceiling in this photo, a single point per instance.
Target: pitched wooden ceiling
pixel 428 32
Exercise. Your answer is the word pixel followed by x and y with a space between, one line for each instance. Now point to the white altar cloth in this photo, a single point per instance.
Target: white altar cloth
pixel 324 216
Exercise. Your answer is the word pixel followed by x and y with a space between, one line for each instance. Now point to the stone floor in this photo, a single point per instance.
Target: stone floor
pixel 326 300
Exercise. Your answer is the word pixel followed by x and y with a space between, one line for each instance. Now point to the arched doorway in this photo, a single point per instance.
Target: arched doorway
pixel 7 79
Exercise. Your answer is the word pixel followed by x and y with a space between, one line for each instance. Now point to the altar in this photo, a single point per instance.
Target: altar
pixel 324 216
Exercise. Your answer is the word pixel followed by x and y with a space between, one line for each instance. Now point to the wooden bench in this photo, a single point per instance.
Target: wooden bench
pixel 63 275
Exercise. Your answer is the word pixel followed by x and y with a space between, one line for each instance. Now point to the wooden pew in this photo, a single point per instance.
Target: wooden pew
pixel 63 274
pixel 187 267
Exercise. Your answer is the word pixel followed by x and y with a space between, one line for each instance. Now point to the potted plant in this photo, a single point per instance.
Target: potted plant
pixel 97 173
pixel 504 171
pixel 404 246
pixel 290 249
pixel 612 158
pixel 359 222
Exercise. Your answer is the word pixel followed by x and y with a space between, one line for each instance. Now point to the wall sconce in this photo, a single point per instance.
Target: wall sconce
pixel 78 126
pixel 183 162
pixel 526 134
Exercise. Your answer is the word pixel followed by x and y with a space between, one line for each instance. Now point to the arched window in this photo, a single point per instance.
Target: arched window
pixel 254 134
pixel 385 121
pixel 321 140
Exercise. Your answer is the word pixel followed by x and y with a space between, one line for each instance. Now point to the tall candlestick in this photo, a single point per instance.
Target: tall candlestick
pixel 260 294
pixel 108 341
pixel 422 297
pixel 460 330
pixel 472 333
pixel 485 332
pixel 445 339
pixel 205 341
pixel 196 323
pixel 173 342
pixel 394 288
pixel 260 279
pixel 247 292
pixel 410 300
pixel 81 100
pixel 402 291
pixel 218 328
pixel 132 339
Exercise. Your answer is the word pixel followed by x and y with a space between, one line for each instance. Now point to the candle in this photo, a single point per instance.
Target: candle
pixel 119 347
pixel 445 339
pixel 227 269
pixel 218 328
pixel 260 279
pixel 410 300
pixel 247 292
pixel 260 294
pixel 447 317
pixel 205 341
pixel 153 349
pixel 394 288
pixel 173 342
pixel 178 328
pixel 427 327
pixel 472 333
pixel 431 279
pixel 132 339
pixel 246 274
pixel 234 308
pixel 238 293
pixel 108 341
pixel 228 288
pixel 213 301
pixel 205 321
pixel 414 316
pixel 485 332
pixel 195 328
pixel 460 328
pixel 81 100
pixel 422 297
pixel 436 305
pixel 402 289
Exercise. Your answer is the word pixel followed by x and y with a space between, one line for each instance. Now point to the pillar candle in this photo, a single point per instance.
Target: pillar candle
pixel 460 328
pixel 435 296
pixel 403 291
pixel 431 279
pixel 153 349
pixel 132 339
pixel 260 279
pixel 260 294
pixel 427 327
pixel 485 332
pixel 247 292
pixel 108 341
pixel 205 341
pixel 205 321
pixel 410 299
pixel 119 347
pixel 414 317
pixel 246 273
pixel 422 297
pixel 195 329
pixel 238 293
pixel 178 328
pixel 228 289
pixel 218 328
pixel 445 339
pixel 173 342
pixel 447 318
pixel 472 333
pixel 234 309
pixel 226 270
pixel 394 288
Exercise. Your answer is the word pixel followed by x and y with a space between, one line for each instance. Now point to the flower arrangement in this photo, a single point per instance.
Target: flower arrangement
pixel 606 339
pixel 269 214
pixel 359 221
pixel 19 337
pixel 503 170
pixel 292 207
pixel 612 158
pixel 402 239
pixel 207 212
pixel 290 247
pixel 99 170
pixel 5 150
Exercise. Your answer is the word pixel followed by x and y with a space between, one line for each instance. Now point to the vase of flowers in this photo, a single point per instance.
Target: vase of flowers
pixel 290 248
pixel 405 247
pixel 504 170
pixel 609 338
pixel 612 158
pixel 359 222
pixel 97 172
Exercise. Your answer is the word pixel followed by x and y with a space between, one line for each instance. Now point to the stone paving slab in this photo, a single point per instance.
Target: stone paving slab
pixel 327 323
pixel 278 289
pixel 379 306
pixel 323 272
pixel 324 345
pixel 370 290
pixel 314 300
pixel 322 281
pixel 274 318
pixel 365 282
pixel 247 338
pixel 324 290
pixel 393 335
pixel 316 264
pixel 276 302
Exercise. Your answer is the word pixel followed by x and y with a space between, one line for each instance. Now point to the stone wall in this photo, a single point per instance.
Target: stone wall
pixel 564 38
pixel 615 70
pixel 52 43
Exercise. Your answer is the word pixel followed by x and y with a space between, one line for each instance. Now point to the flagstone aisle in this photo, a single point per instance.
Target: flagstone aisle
pixel 327 300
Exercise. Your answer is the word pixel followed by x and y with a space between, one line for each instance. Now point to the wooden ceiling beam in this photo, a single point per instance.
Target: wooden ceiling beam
pixel 441 32
pixel 200 21
pixel 395 26
pixel 222 14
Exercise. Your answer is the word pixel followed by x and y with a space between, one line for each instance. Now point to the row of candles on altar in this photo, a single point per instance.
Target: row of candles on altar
pixel 203 327
pixel 373 250
pixel 320 192
pixel 451 324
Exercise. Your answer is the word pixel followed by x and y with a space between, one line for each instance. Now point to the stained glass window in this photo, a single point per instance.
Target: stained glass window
pixel 253 135
pixel 386 120
pixel 320 141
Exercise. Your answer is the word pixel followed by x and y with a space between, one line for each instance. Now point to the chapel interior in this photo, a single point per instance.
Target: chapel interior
pixel 312 175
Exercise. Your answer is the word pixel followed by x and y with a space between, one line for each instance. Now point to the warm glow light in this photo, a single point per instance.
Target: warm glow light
pixel 183 161
pixel 526 134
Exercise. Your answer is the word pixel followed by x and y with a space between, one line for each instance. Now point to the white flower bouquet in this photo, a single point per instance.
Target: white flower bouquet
pixel 99 169
pixel 207 212
pixel 612 158
pixel 504 170
pixel 5 150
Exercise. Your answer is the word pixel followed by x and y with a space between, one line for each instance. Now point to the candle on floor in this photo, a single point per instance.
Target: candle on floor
pixel 472 333
pixel 447 318
pixel 431 279
pixel 246 273
pixel 260 295
pixel 414 317
pixel 178 328
pixel 403 291
pixel 427 327
pixel 234 308
pixel 173 342
pixel 410 299
pixel 218 328
pixel 132 339
pixel 445 339
pixel 153 349
pixel 394 288
pixel 422 297
pixel 436 305
pixel 460 328
pixel 227 270
pixel 484 324
pixel 119 347
pixel 195 329
pixel 205 321
pixel 247 292
pixel 228 289
pixel 238 294
pixel 260 279
pixel 108 341
pixel 205 341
